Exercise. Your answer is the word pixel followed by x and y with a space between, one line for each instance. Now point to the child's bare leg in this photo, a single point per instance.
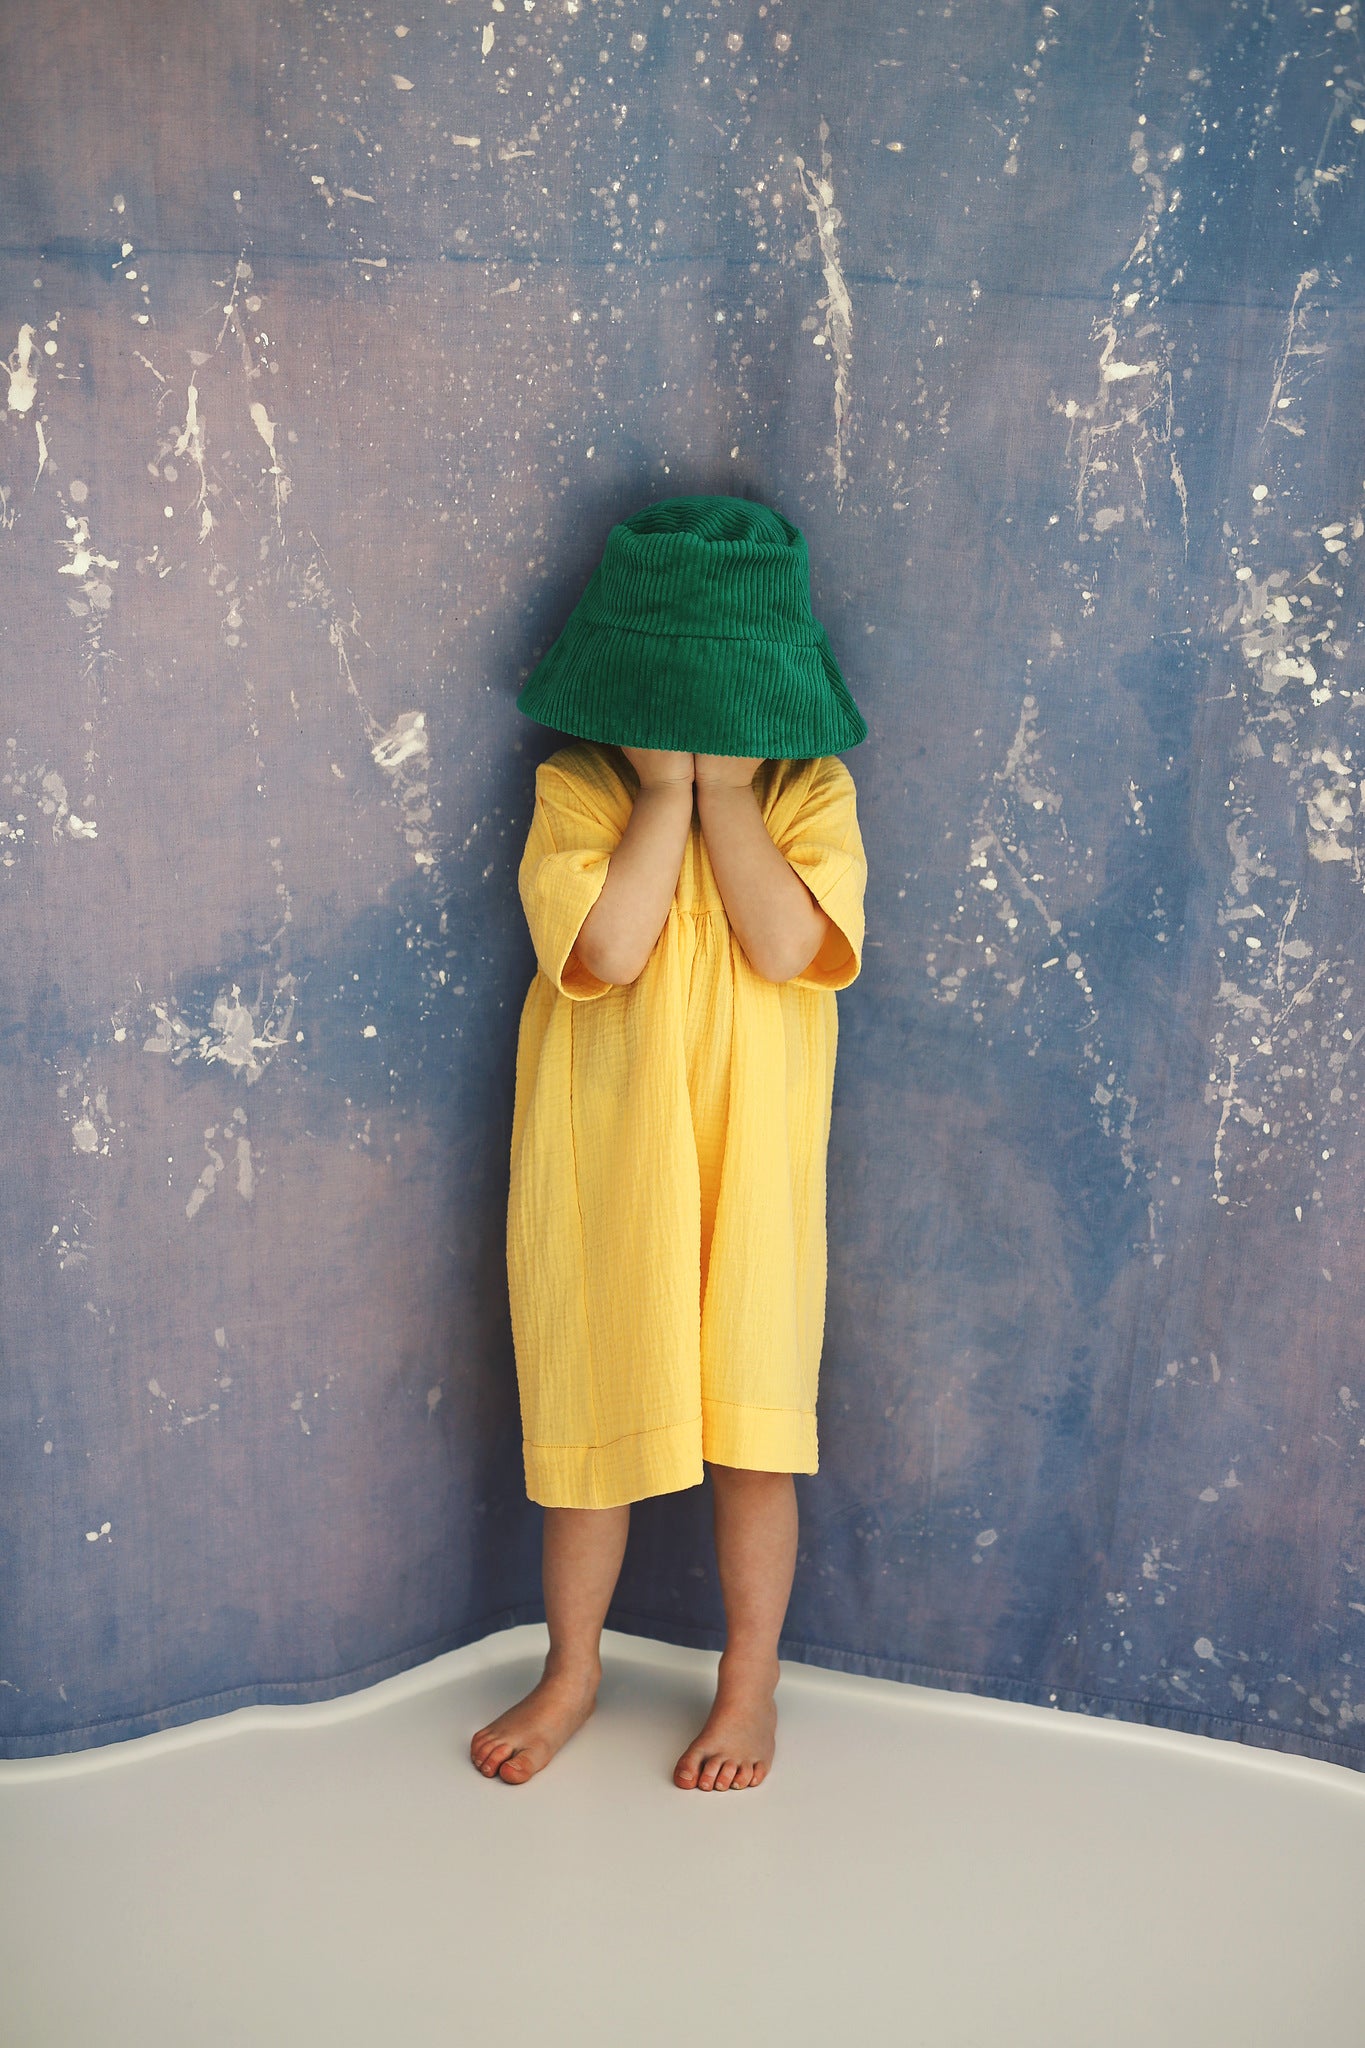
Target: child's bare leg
pixel 756 1528
pixel 581 1557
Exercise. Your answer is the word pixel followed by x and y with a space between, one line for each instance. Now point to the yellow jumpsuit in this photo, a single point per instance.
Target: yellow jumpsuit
pixel 666 1209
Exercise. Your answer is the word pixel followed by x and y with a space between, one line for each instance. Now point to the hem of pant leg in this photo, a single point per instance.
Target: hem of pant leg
pixel 759 1439
pixel 652 1461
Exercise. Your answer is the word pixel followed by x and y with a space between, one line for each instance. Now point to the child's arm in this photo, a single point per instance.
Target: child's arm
pixel 775 917
pixel 619 933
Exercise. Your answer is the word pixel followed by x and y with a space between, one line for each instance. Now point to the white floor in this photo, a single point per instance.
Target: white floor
pixel 921 1868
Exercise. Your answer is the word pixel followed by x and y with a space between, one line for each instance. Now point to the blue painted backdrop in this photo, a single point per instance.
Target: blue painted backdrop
pixel 337 339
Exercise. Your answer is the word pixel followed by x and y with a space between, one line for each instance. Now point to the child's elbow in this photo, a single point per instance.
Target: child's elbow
pixel 604 964
pixel 807 954
pixel 589 948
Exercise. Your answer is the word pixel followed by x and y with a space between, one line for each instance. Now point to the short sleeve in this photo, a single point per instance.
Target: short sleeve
pixel 822 841
pixel 563 868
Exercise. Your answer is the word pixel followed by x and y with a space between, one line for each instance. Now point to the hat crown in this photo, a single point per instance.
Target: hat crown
pixel 704 569
pixel 716 521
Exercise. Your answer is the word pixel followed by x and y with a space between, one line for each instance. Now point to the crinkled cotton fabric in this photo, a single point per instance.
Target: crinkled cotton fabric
pixel 666 1251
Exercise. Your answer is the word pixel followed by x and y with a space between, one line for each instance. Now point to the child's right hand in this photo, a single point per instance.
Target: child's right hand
pixel 656 767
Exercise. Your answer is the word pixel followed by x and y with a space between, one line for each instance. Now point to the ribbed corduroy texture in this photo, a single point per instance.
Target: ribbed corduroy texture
pixel 695 633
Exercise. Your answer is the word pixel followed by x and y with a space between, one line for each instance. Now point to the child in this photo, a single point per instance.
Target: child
pixel 693 880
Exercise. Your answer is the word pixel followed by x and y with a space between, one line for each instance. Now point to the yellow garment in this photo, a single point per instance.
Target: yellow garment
pixel 666 1212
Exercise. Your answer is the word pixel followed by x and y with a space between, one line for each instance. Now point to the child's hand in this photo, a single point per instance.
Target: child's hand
pixel 656 766
pixel 729 771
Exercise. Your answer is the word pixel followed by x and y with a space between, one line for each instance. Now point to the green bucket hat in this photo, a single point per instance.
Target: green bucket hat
pixel 694 633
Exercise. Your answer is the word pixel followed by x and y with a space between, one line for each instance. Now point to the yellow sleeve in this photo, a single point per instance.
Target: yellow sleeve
pixel 563 868
pixel 823 843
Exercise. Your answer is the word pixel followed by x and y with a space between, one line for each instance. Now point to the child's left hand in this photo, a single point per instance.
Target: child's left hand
pixel 729 771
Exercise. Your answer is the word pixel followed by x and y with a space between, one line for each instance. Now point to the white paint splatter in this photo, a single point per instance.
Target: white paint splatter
pixel 1006 838
pixel 23 383
pixel 837 304
pixel 45 790
pixel 403 742
pixel 1293 349
pixel 92 1129
pixel 1098 427
pixel 217 1162
pixel 1025 95
pixel 84 558
pixel 405 738
pixel 232 1034
pixel 1293 1059
pixel 191 442
pixel 265 427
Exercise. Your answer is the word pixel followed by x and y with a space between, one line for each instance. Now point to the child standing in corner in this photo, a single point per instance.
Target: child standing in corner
pixel 693 880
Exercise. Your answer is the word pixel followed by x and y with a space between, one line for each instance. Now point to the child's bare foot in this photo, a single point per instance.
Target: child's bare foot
pixel 523 1740
pixel 735 1749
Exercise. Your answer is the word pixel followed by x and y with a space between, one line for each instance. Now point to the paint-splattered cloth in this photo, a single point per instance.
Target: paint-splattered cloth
pixel 666 1214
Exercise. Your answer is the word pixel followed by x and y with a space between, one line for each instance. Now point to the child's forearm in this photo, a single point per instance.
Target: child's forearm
pixel 619 933
pixel 771 911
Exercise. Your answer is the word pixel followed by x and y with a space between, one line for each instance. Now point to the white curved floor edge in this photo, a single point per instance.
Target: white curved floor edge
pixel 927 1868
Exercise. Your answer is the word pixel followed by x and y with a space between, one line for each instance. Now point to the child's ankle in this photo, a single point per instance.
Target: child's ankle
pixel 581 1666
pixel 739 1662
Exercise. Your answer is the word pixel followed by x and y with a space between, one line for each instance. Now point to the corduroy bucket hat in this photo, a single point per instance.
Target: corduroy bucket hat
pixel 694 633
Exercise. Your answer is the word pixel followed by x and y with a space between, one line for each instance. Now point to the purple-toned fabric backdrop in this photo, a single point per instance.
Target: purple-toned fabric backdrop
pixel 337 338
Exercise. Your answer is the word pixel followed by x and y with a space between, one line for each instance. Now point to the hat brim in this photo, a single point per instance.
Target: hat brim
pixel 753 698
